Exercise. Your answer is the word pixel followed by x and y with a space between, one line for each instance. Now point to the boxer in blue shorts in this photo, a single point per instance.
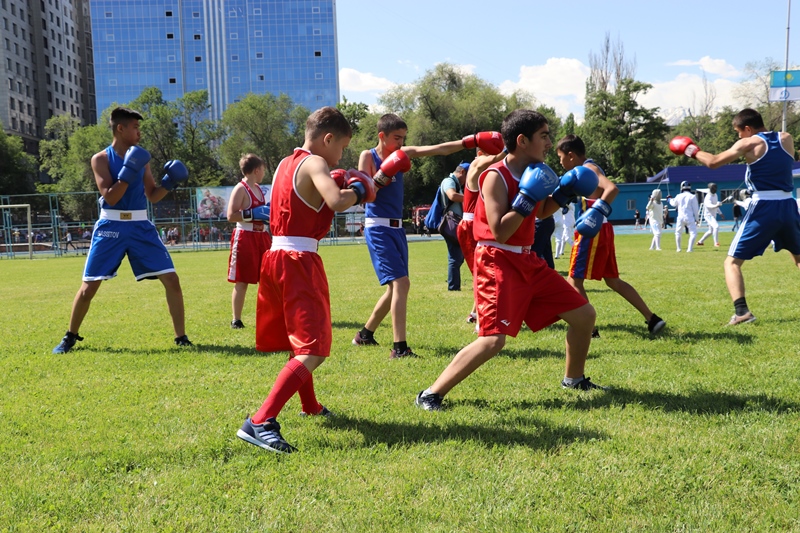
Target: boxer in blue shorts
pixel 772 215
pixel 125 182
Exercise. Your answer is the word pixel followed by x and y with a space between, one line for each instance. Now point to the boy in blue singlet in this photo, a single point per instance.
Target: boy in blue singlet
pixel 772 215
pixel 125 182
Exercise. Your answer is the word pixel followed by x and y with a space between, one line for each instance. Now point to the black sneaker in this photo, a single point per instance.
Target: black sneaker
pixel 237 324
pixel 183 340
pixel 595 333
pixel 397 354
pixel 67 343
pixel 655 324
pixel 584 384
pixel 325 412
pixel 266 435
pixel 429 402
pixel 360 340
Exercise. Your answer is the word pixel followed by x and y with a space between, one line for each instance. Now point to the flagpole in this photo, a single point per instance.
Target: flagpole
pixel 786 63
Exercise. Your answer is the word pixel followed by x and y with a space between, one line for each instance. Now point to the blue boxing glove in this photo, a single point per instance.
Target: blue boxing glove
pixel 257 213
pixel 536 184
pixel 580 181
pixel 589 223
pixel 135 160
pixel 176 173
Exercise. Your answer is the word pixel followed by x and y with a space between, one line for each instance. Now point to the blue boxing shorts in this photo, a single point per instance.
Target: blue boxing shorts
pixel 388 249
pixel 113 239
pixel 765 221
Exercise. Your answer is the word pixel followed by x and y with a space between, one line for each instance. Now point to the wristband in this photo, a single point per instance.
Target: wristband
pixel 247 215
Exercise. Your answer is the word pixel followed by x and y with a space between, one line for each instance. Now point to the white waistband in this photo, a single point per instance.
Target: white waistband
pixel 396 223
pixel 771 195
pixel 124 216
pixel 294 244
pixel 506 247
pixel 468 216
pixel 250 226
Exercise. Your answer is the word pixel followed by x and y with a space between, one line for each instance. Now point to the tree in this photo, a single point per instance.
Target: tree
pixel 197 134
pixel 54 148
pixel 16 167
pixel 78 175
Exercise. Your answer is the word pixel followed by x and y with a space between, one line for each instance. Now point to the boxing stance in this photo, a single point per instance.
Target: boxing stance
pixel 772 214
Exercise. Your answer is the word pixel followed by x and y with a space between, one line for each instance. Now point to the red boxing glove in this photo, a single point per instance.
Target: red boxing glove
pixel 490 142
pixel 362 185
pixel 397 162
pixel 683 146
pixel 339 175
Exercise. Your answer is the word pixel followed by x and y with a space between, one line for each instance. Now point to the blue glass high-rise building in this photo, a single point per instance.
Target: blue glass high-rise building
pixel 229 47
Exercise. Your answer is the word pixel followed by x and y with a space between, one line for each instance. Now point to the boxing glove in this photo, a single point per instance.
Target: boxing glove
pixel 536 184
pixel 683 146
pixel 339 175
pixel 580 181
pixel 589 223
pixel 135 159
pixel 257 213
pixel 489 142
pixel 176 173
pixel 398 161
pixel 362 185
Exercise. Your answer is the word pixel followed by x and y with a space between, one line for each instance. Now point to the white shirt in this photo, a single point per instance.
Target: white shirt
pixel 655 211
pixel 711 203
pixel 686 202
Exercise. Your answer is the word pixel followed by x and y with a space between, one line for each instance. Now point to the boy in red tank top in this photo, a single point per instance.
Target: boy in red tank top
pixel 512 284
pixel 294 311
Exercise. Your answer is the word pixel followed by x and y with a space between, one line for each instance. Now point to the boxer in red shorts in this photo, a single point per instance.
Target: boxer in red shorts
pixel 512 284
pixel 248 208
pixel 293 312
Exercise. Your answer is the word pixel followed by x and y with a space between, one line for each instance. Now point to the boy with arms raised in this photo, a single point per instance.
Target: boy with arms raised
pixel 772 214
pixel 384 233
pixel 512 284
pixel 294 310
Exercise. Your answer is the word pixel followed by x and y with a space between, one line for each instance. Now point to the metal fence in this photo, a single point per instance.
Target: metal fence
pixel 61 224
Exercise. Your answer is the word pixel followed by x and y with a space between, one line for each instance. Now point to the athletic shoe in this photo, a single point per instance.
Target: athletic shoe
pixel 324 412
pixel 397 354
pixel 743 319
pixel 183 340
pixel 266 435
pixel 471 318
pixel 699 244
pixel 237 324
pixel 67 343
pixel 655 324
pixel 584 384
pixel 716 245
pixel 429 402
pixel 595 333
pixel 360 340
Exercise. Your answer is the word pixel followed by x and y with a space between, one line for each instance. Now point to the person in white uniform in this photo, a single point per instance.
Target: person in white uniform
pixel 655 214
pixel 687 214
pixel 711 203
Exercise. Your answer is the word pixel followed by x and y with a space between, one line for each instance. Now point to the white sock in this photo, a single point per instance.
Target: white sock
pixel 572 381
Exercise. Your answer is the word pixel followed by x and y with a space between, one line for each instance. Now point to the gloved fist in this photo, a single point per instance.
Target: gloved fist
pixel 683 146
pixel 257 213
pixel 362 185
pixel 176 173
pixel 590 222
pixel 489 142
pixel 536 184
pixel 397 162
pixel 580 181
pixel 135 160
pixel 339 175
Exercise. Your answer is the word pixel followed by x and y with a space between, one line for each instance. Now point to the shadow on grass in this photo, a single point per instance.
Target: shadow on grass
pixel 539 435
pixel 236 350
pixel 344 324
pixel 724 334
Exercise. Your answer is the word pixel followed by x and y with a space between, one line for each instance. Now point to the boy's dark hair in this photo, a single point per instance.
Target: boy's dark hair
pixel 327 120
pixel 748 117
pixel 572 143
pixel 521 122
pixel 122 115
pixel 391 122
pixel 249 163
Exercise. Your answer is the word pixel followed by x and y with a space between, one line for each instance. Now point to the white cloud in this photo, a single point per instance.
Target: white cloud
pixel 559 83
pixel 687 91
pixel 719 67
pixel 352 80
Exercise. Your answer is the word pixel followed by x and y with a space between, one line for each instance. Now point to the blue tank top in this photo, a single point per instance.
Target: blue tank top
pixel 773 171
pixel 389 201
pixel 133 199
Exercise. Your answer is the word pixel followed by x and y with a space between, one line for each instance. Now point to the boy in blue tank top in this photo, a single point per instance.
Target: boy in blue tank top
pixel 772 215
pixel 125 182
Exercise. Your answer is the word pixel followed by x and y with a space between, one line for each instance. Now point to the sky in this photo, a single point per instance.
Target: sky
pixel 544 47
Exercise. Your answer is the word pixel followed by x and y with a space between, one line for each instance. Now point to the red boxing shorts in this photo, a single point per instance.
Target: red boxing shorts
pixel 293 312
pixel 467 242
pixel 514 287
pixel 594 258
pixel 244 261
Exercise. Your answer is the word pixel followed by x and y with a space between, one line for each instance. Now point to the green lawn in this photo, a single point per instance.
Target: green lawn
pixel 701 431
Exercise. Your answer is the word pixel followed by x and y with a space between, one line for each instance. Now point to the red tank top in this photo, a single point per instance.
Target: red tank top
pixel 470 199
pixel 290 215
pixel 480 228
pixel 258 225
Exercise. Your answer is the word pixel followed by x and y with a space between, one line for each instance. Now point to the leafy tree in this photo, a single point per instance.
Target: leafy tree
pixel 198 133
pixel 53 149
pixel 16 167
pixel 78 175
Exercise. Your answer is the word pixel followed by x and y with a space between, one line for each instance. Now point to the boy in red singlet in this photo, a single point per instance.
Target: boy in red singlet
pixel 248 208
pixel 294 311
pixel 512 284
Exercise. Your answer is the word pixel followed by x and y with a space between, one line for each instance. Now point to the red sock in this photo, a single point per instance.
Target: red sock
pixel 293 375
pixel 309 398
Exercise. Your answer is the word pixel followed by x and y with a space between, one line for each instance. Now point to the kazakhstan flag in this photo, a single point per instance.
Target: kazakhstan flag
pixel 785 78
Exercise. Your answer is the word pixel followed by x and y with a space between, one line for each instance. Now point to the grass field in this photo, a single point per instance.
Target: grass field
pixel 701 431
